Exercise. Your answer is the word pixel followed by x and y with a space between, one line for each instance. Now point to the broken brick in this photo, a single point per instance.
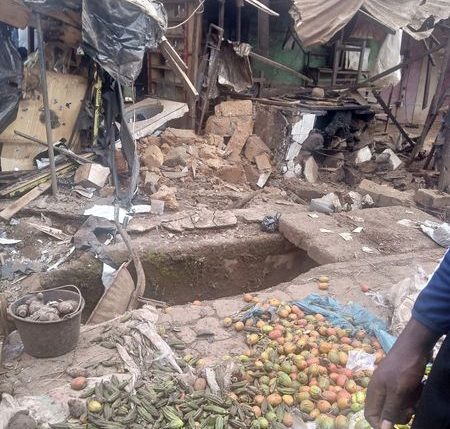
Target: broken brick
pixel 234 174
pixel 176 156
pixel 237 141
pixel 254 146
pixel 152 157
pixel 383 195
pixel 432 199
pixel 234 108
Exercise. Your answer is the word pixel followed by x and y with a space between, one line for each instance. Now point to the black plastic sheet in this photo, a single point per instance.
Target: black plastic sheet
pixel 10 81
pixel 54 4
pixel 116 34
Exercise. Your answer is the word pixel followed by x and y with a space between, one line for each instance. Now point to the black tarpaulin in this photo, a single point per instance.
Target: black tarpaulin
pixel 10 81
pixel 116 34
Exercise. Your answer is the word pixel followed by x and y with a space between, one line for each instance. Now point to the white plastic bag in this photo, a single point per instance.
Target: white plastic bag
pixel 359 360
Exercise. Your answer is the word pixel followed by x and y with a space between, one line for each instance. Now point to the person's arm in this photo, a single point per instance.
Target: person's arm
pixel 396 384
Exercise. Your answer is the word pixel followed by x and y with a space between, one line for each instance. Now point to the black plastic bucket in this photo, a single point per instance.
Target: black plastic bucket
pixel 54 338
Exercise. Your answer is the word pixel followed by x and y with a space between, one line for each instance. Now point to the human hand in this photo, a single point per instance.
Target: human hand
pixel 396 384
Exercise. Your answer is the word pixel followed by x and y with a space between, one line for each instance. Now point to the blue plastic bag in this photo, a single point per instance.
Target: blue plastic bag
pixel 350 316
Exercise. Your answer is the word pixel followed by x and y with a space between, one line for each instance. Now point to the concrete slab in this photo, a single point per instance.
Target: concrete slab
pixel 381 233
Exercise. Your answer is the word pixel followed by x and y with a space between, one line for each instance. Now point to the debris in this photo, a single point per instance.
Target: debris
pixel 176 156
pixel 263 163
pixel 363 155
pixel 254 147
pixel 91 175
pixel 76 371
pixel 105 212
pixel 152 157
pixel 439 233
pixel 157 207
pixel 243 131
pixel 407 222
pixel 328 204
pixel 368 250
pixel 77 407
pixel 310 170
pixel 318 92
pixel 347 236
pixel 8 241
pixel 87 193
pixel 180 137
pixel 270 223
pixel 234 108
pixel 61 260
pixel 384 195
pixel 358 230
pixel 234 174
pixel 23 201
pixel 150 181
pixel 327 231
pixel 313 215
pixel 393 160
pixel 166 194
pixel 432 199
pixel 263 178
pixel 141 209
pixel 53 232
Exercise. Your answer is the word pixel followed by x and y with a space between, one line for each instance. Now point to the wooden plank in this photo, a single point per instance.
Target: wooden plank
pixel 23 201
pixel 189 86
pixel 167 48
pixel 261 6
pixel 66 93
pixel 15 13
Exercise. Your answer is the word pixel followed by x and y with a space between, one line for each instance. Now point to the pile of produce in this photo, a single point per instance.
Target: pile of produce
pixel 299 360
pixel 36 309
pixel 295 368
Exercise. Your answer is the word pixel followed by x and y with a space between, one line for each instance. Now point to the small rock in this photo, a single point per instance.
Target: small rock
pixel 21 421
pixel 152 157
pixel 168 195
pixel 77 407
pixel 176 156
pixel 76 371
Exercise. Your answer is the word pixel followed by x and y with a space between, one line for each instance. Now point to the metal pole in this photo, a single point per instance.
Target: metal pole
pixel 44 89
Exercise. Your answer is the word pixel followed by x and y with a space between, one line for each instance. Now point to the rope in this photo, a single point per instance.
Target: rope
pixel 187 19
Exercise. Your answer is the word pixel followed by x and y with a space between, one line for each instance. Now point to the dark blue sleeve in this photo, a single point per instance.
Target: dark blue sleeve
pixel 432 307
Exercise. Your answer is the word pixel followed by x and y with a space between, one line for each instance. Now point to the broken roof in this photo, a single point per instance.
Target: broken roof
pixel 317 21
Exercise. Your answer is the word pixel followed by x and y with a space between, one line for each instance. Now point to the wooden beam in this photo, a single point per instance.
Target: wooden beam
pixel 392 117
pixel 23 201
pixel 279 66
pixel 263 31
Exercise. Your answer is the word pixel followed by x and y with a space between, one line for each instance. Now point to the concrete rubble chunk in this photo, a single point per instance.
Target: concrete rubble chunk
pixel 394 161
pixel 176 156
pixel 385 196
pixel 91 175
pixel 233 174
pixel 432 198
pixel 263 163
pixel 252 173
pixel 152 157
pixel 234 108
pixel 179 137
pixel 363 155
pixel 237 141
pixel 207 152
pixel 318 92
pixel 215 140
pixel 208 219
pixel 310 170
pixel 218 125
pixel 150 181
pixel 328 204
pixel 168 195
pixel 254 147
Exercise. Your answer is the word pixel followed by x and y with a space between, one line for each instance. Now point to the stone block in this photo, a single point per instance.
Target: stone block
pixel 254 147
pixel 363 155
pixel 237 141
pixel 220 126
pixel 152 157
pixel 234 108
pixel 176 156
pixel 383 195
pixel 234 174
pixel 432 199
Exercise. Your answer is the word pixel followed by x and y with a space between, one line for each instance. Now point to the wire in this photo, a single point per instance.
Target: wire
pixel 187 19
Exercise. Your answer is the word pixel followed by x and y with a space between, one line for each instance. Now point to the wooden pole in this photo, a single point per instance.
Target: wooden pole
pixel 44 89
